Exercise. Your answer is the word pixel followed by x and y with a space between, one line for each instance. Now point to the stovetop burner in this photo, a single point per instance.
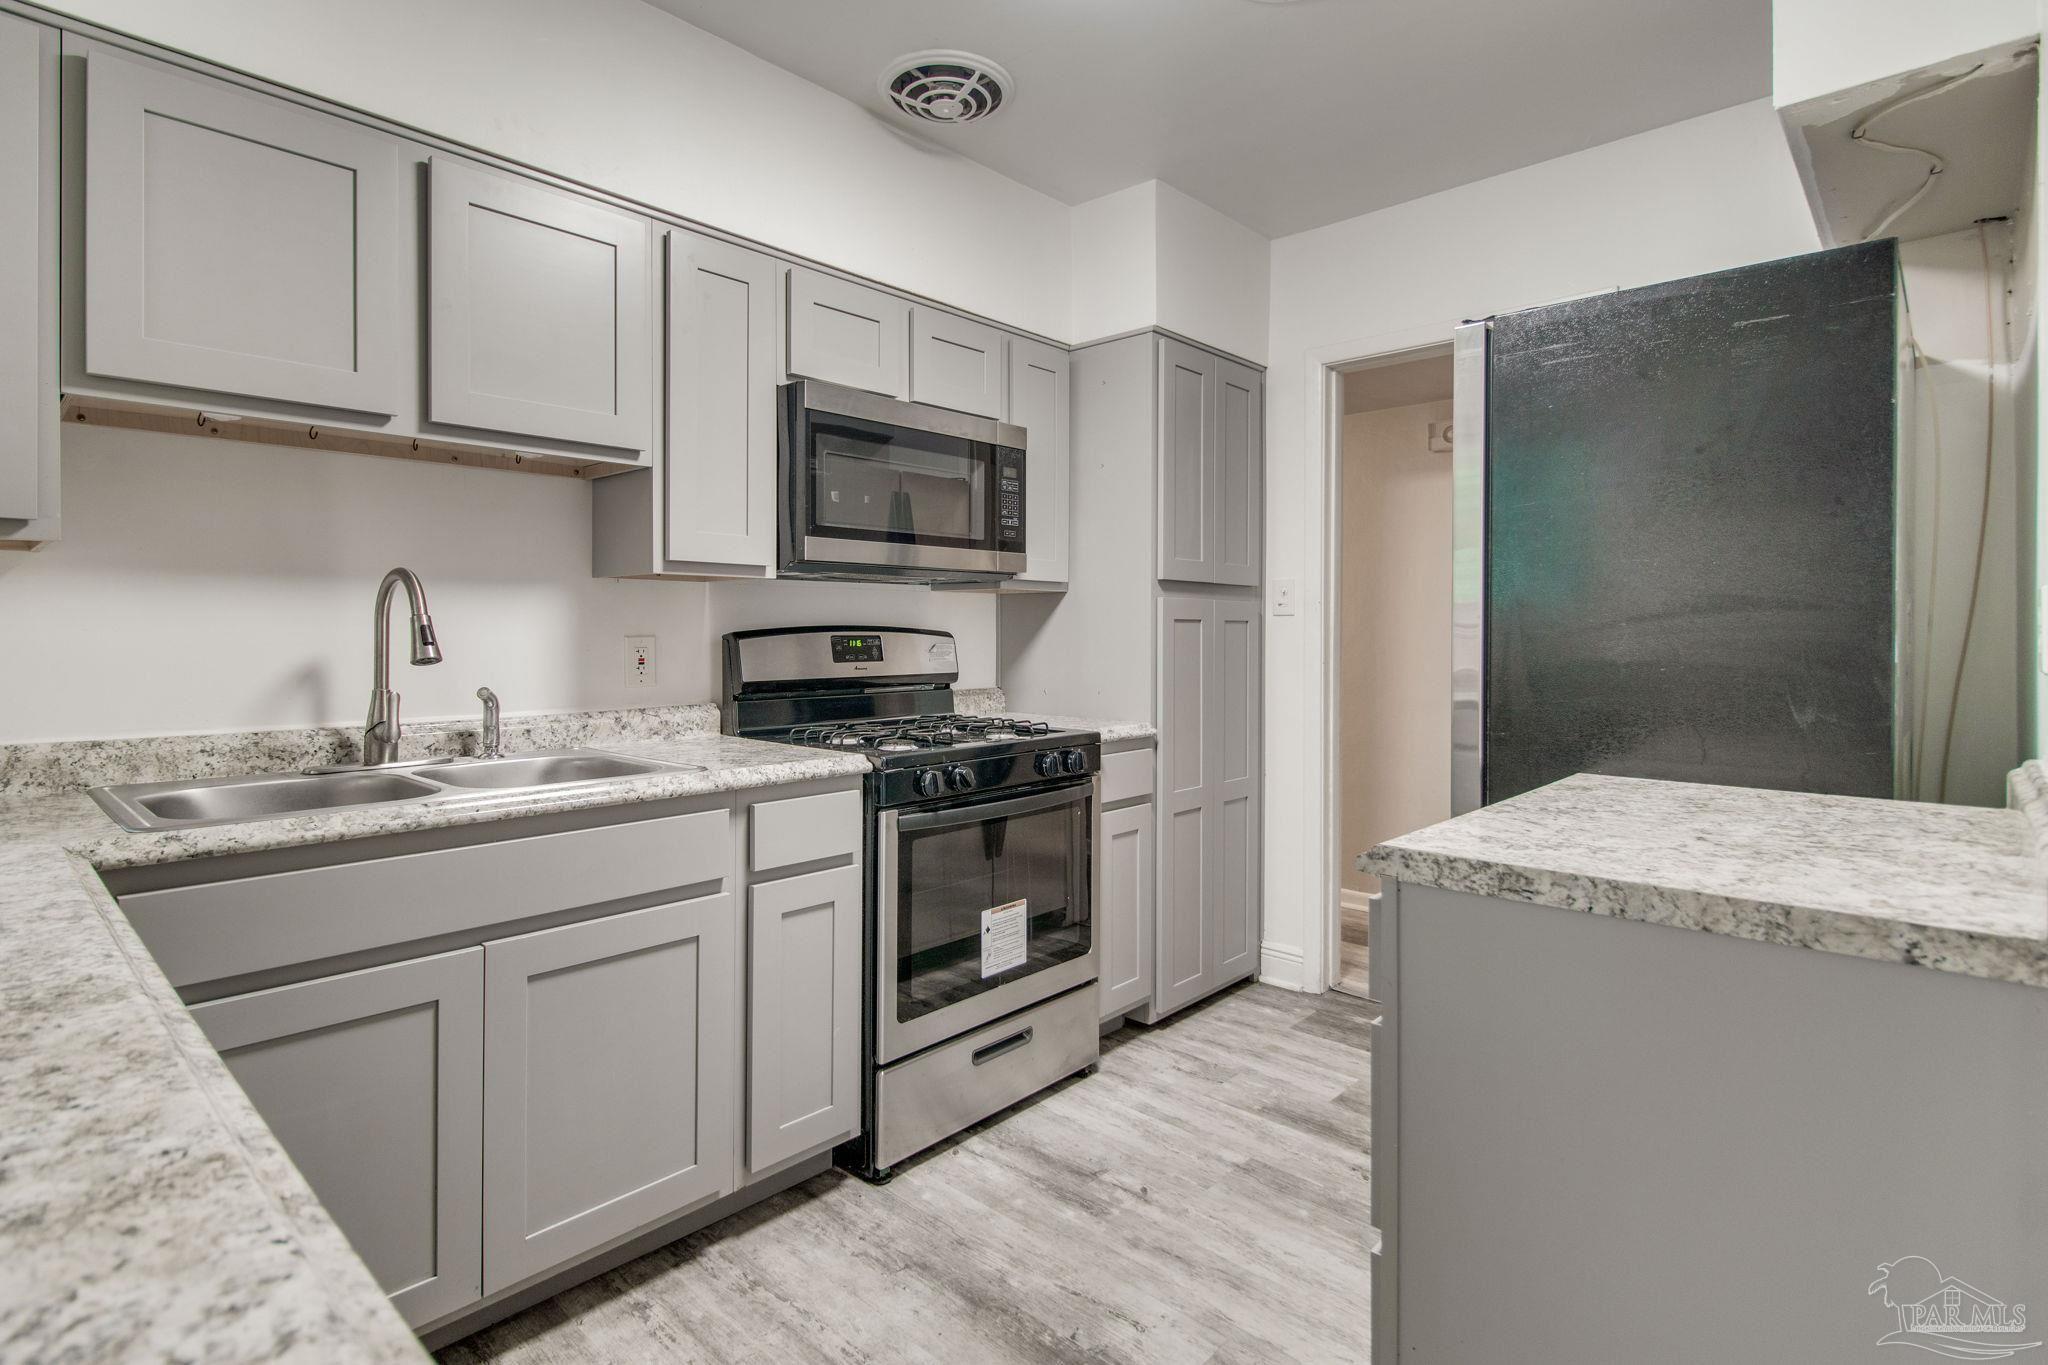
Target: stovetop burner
pixel 912 733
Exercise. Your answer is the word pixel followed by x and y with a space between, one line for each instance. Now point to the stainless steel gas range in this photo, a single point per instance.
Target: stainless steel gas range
pixel 981 957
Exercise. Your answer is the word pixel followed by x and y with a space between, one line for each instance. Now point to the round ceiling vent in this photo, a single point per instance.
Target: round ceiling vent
pixel 946 87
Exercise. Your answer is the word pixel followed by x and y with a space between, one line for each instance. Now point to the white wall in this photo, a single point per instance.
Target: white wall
pixel 1700 195
pixel 620 95
pixel 214 585
pixel 1151 256
pixel 1821 46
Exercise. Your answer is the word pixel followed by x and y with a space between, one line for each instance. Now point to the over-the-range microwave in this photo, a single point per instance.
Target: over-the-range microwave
pixel 874 487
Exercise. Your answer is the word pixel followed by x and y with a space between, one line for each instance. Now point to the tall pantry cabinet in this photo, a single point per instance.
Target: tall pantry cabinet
pixel 1161 620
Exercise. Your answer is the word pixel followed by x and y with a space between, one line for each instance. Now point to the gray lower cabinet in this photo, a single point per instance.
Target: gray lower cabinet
pixel 803 1014
pixel 1209 799
pixel 845 333
pixel 955 362
pixel 1124 858
pixel 1039 401
pixel 28 291
pixel 239 244
pixel 373 1083
pixel 538 310
pixel 1210 467
pixel 608 1079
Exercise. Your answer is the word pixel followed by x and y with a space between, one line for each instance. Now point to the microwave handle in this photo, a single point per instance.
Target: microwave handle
pixel 992 810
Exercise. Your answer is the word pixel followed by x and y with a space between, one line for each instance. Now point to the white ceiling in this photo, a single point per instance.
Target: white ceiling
pixel 1284 116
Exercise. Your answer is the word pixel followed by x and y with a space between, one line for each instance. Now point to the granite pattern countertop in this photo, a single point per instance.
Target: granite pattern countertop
pixel 1956 888
pixel 146 1211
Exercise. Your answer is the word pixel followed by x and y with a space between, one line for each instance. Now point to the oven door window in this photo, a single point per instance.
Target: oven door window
pixel 1030 869
pixel 892 484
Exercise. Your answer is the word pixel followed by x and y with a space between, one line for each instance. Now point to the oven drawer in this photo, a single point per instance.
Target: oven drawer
pixel 937 1093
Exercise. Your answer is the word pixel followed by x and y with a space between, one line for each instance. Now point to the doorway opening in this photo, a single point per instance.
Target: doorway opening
pixel 1391 736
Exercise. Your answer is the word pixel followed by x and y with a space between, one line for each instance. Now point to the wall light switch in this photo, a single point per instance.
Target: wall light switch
pixel 1283 597
pixel 639 661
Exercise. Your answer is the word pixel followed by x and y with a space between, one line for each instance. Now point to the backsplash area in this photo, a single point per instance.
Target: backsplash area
pixel 45 769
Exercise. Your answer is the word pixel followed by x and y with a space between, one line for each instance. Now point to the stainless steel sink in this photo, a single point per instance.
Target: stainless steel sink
pixel 178 805
pixel 549 770
pixel 223 800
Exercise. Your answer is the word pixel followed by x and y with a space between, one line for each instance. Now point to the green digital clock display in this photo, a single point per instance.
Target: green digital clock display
pixel 856 649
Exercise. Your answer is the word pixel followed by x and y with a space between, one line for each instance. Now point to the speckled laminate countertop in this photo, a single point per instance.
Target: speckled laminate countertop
pixel 146 1211
pixel 1957 888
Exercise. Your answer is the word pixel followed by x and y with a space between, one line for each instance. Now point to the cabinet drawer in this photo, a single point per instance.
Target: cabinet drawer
pixel 1126 776
pixel 223 929
pixel 805 829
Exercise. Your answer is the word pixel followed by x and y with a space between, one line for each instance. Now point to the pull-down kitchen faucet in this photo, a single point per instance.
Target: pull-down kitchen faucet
pixel 380 731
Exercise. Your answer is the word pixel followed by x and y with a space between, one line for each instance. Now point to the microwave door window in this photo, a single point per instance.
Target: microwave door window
pixel 878 488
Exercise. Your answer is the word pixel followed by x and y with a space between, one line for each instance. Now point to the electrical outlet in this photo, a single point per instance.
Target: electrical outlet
pixel 639 661
pixel 1283 597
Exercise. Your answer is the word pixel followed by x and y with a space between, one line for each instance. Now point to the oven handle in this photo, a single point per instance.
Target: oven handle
pixel 994 810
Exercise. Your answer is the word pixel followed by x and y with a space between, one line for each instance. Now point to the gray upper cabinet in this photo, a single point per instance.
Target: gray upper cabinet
pixel 1186 468
pixel 373 1083
pixel 803 1014
pixel 845 333
pixel 608 1080
pixel 239 244
pixel 955 363
pixel 28 264
pixel 538 311
pixel 1039 402
pixel 1124 859
pixel 1209 812
pixel 719 468
pixel 1211 468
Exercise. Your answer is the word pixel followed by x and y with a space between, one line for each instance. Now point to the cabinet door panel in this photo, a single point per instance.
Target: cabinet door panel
pixel 538 318
pixel 803 1014
pixel 1039 401
pixel 720 464
pixel 28 131
pixel 373 1083
pixel 609 1081
pixel 1186 475
pixel 1236 448
pixel 955 363
pixel 1232 739
pixel 237 243
pixel 1187 629
pixel 844 333
pixel 1125 858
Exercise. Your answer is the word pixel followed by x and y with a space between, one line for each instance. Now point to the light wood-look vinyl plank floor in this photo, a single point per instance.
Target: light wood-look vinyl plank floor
pixel 1201 1201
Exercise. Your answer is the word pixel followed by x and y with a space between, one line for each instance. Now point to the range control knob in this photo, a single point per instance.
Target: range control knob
pixel 929 783
pixel 1047 763
pixel 1075 761
pixel 960 777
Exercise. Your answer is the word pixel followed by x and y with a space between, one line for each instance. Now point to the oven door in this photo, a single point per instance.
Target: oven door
pixel 876 487
pixel 984 909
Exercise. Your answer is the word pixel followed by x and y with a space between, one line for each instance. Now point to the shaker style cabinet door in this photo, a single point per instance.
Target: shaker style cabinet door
pixel 1187 476
pixel 1039 403
pixel 1232 743
pixel 1238 474
pixel 373 1083
pixel 845 333
pixel 1187 635
pixel 720 464
pixel 28 256
pixel 1124 861
pixel 803 1014
pixel 538 311
pixel 238 243
pixel 608 1080
pixel 955 363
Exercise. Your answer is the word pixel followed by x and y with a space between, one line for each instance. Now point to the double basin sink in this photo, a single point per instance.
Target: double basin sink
pixel 224 800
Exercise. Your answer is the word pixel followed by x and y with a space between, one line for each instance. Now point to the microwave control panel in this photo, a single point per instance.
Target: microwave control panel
pixel 1010 499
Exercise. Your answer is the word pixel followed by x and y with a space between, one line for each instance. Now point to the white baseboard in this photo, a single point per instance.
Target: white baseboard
pixel 1361 901
pixel 1281 965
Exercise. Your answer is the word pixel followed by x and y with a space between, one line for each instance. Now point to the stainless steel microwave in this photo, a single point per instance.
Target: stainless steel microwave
pixel 875 487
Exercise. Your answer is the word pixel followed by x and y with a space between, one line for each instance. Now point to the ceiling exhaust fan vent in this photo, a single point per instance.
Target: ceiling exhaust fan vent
pixel 946 87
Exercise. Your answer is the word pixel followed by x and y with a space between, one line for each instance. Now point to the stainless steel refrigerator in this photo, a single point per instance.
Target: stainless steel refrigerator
pixel 1679 548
